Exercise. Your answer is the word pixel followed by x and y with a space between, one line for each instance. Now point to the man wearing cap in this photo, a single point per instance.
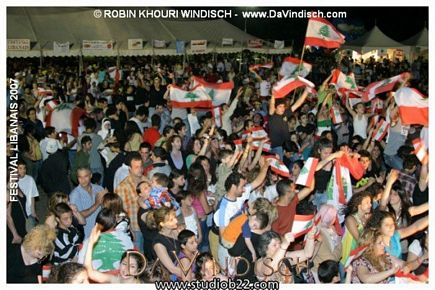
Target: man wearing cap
pixel 54 170
pixel 278 125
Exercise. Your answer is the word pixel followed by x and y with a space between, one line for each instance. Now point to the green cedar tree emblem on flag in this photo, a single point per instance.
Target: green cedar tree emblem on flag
pixel 191 96
pixel 350 82
pixel 108 250
pixel 386 82
pixel 212 94
pixel 324 31
pixel 299 68
pixel 304 170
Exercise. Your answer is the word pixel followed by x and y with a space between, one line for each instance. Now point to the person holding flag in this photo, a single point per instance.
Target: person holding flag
pixel 278 125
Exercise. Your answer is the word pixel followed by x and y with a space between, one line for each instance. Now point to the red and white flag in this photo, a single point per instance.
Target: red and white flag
pixel 343 82
pixel 293 67
pixel 381 130
pixel 420 151
pixel 288 84
pixel 354 254
pixel 217 115
pixel 377 106
pixel 257 133
pixel 302 224
pixel 382 86
pixel 306 176
pixel 65 117
pixel 268 65
pixel 239 144
pixel 278 167
pixel 413 106
pixel 374 120
pixel 402 278
pixel 52 104
pixel 194 98
pixel 321 32
pixel 336 115
pixel 219 92
pixel 266 146
pixel 44 92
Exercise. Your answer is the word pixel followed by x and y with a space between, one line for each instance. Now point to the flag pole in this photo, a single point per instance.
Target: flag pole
pixel 302 55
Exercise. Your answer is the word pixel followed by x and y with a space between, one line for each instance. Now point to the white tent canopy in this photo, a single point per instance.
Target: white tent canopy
pixel 375 39
pixel 45 25
pixel 421 39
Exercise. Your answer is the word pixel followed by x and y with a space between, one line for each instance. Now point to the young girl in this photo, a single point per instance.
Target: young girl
pixel 129 269
pixel 114 202
pixel 207 268
pixel 191 221
pixel 356 215
pixel 188 253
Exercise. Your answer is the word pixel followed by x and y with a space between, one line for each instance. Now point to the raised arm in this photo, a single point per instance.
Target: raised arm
pixel 349 109
pixel 419 225
pixel 300 101
pixel 262 175
pixel 392 177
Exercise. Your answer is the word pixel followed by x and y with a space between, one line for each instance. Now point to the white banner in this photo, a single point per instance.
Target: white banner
pixel 279 44
pixel 198 45
pixel 255 43
pixel 227 41
pixel 62 48
pixel 135 43
pixel 18 44
pixel 159 43
pixel 97 45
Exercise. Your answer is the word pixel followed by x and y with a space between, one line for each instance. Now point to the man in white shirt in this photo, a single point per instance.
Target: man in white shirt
pixel 50 133
pixel 28 187
pixel 237 193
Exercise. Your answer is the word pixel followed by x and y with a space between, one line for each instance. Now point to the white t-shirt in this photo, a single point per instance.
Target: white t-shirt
pixel 228 208
pixel 265 88
pixel 271 193
pixel 415 248
pixel 28 187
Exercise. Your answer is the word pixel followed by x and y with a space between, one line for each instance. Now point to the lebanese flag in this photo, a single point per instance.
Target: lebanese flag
pixel 293 66
pixel 381 130
pixel 219 92
pixel 257 133
pixel 288 84
pixel 239 144
pixel 354 254
pixel 377 106
pixel 302 224
pixel 374 120
pixel 420 151
pixel 195 98
pixel 217 115
pixel 321 32
pixel 339 189
pixel 335 115
pixel 402 278
pixel 268 65
pixel 44 92
pixel 306 176
pixel 115 73
pixel 52 104
pixel 413 106
pixel 382 86
pixel 278 167
pixel 266 146
pixel 65 117
pixel 343 82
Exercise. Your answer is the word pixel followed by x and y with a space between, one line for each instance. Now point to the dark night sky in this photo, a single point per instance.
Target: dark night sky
pixel 398 23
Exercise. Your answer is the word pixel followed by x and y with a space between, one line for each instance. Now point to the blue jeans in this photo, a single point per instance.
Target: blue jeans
pixel 138 241
pixel 204 246
pixel 319 199
pixel 394 161
pixel 278 150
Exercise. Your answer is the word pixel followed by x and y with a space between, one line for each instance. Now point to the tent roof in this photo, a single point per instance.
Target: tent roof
pixel 375 38
pixel 421 39
pixel 43 25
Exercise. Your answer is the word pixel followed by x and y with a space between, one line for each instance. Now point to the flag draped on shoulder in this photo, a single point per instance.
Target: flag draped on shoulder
pixel 294 67
pixel 288 84
pixel 219 92
pixel 383 86
pixel 194 98
pixel 413 106
pixel 420 151
pixel 320 32
pixel 306 176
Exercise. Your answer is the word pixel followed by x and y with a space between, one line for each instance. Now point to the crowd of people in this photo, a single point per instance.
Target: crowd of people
pixel 136 194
